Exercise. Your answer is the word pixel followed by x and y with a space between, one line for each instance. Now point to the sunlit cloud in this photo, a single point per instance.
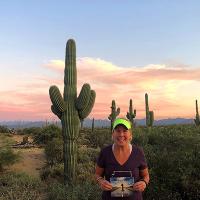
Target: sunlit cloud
pixel 172 89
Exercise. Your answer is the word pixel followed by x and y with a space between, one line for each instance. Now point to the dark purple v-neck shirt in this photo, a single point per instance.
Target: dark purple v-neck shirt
pixel 135 162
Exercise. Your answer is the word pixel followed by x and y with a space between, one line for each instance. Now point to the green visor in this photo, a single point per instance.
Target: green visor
pixel 122 121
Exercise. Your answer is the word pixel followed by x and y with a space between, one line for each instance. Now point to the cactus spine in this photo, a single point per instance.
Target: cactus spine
pixel 149 114
pixel 114 113
pixel 70 109
pixel 131 114
pixel 197 119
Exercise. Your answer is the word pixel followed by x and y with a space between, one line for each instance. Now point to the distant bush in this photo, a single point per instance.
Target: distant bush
pixel 4 129
pixel 100 137
pixel 30 131
pixel 47 134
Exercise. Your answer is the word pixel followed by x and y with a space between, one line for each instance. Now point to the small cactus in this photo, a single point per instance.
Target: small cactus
pixel 149 114
pixel 93 125
pixel 197 119
pixel 114 113
pixel 131 114
pixel 71 109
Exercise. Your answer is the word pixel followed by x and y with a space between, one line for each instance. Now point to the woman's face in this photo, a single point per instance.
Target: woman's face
pixel 121 135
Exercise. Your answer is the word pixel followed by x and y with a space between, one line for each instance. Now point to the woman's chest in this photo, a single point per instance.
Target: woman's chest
pixel 129 168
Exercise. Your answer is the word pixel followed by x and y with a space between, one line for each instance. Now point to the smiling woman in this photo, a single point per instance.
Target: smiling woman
pixel 125 163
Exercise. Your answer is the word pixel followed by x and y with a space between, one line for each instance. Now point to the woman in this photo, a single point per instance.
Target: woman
pixel 122 160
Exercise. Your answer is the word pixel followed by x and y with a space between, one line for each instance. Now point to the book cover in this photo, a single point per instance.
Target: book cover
pixel 122 186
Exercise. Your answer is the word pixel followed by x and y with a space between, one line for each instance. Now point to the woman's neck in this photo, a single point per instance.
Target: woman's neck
pixel 125 148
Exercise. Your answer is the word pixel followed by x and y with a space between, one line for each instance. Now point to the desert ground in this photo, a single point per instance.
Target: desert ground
pixel 32 159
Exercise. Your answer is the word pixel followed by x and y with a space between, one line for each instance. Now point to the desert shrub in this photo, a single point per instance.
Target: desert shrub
pixel 54 151
pixel 47 134
pixel 86 163
pixel 7 155
pixel 53 172
pixel 100 137
pixel 4 129
pixel 172 153
pixel 86 191
pixel 173 158
pixel 87 154
pixel 19 186
pixel 30 131
pixel 86 160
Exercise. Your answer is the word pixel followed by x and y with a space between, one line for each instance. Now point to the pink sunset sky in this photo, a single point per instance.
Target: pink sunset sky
pixel 172 89
pixel 124 50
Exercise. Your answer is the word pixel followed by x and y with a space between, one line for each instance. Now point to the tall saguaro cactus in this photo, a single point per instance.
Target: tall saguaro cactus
pixel 71 109
pixel 197 119
pixel 114 113
pixel 131 114
pixel 149 114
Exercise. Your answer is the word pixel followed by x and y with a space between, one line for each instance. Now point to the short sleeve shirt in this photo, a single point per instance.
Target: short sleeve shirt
pixel 134 163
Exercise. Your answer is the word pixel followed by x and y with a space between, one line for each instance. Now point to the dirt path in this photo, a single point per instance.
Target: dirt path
pixel 32 159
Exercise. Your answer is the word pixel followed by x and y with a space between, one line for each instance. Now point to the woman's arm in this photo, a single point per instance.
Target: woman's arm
pixel 144 174
pixel 142 184
pixel 105 185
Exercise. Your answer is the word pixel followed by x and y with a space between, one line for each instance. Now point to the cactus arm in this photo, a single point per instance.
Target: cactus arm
pixel 83 97
pixel 56 112
pixel 87 109
pixel 131 114
pixel 118 111
pixel 57 99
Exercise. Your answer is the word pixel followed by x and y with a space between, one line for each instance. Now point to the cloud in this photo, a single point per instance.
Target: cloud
pixel 172 89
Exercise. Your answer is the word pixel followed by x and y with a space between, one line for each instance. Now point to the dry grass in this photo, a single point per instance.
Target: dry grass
pixel 32 159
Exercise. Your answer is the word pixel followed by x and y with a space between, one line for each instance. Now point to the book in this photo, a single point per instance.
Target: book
pixel 122 186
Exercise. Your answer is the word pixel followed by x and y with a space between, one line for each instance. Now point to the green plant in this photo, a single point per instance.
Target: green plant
pixel 131 114
pixel 84 191
pixel 7 155
pixel 20 186
pixel 47 134
pixel 4 129
pixel 149 114
pixel 197 119
pixel 70 110
pixel 54 151
pixel 114 113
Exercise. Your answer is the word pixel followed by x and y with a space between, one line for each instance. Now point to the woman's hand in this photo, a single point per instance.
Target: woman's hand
pixel 139 186
pixel 105 185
